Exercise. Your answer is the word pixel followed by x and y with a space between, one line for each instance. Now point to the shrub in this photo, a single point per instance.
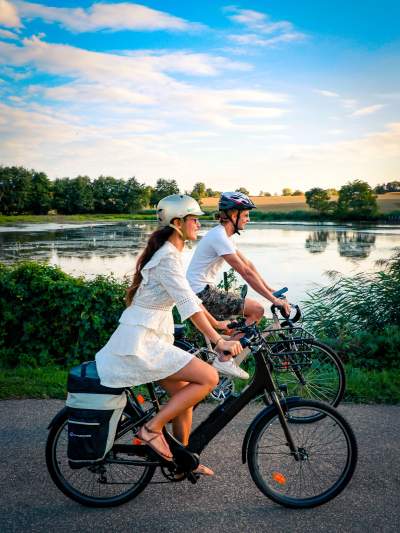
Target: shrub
pixel 49 317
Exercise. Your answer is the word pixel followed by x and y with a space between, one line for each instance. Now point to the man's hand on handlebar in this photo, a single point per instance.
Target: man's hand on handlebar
pixel 223 325
pixel 284 305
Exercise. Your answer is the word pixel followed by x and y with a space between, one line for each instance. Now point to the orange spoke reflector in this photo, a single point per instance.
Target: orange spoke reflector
pixel 279 478
pixel 136 441
pixel 140 398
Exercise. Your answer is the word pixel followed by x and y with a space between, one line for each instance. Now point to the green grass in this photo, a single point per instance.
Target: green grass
pixel 50 382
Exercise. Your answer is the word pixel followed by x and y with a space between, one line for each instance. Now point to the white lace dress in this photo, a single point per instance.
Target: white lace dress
pixel 141 348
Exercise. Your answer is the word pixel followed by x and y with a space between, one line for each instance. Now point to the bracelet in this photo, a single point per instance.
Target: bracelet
pixel 216 344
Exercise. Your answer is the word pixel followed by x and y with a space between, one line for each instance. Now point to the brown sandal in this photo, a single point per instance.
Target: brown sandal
pixel 149 442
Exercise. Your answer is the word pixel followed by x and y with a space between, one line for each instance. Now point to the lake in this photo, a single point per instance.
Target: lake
pixel 296 255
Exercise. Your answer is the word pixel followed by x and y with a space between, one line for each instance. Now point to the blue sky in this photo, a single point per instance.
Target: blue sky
pixel 261 94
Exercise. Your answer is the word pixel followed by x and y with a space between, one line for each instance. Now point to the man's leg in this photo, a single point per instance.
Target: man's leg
pixel 253 311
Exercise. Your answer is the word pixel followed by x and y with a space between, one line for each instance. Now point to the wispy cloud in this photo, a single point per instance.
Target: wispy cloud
pixel 110 16
pixel 329 94
pixel 6 34
pixel 260 30
pixel 367 110
pixel 9 15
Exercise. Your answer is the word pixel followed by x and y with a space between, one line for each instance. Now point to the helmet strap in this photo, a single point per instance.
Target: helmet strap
pixel 178 230
pixel 236 223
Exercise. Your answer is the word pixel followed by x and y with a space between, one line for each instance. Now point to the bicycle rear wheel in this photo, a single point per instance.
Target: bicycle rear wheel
pixel 102 485
pixel 316 373
pixel 326 460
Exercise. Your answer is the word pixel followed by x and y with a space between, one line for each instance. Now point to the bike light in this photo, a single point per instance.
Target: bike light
pixel 140 398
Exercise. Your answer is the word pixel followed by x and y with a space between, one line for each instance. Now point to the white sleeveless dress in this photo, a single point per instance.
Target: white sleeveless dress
pixel 141 348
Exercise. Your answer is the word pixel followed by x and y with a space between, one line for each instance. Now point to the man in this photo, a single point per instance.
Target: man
pixel 215 249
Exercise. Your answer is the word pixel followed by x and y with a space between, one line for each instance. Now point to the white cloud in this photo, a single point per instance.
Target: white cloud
pixel 6 34
pixel 349 103
pixel 367 110
pixel 141 81
pixel 107 16
pixel 263 32
pixel 9 15
pixel 329 94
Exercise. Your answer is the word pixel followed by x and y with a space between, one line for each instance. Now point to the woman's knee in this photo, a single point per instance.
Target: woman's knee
pixel 212 378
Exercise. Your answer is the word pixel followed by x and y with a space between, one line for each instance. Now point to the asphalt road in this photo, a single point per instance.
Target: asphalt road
pixel 229 502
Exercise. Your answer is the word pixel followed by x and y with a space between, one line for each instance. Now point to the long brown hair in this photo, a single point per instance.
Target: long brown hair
pixel 156 240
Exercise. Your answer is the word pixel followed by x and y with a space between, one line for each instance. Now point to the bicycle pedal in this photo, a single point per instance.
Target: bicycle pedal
pixel 193 478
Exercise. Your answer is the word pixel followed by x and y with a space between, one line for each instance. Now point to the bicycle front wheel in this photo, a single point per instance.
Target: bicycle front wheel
pixel 315 373
pixel 101 485
pixel 324 462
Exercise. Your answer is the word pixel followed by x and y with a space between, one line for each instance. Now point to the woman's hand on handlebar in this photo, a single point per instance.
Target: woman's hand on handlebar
pixel 233 347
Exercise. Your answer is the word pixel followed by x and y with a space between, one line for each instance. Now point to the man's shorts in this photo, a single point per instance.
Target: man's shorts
pixel 221 304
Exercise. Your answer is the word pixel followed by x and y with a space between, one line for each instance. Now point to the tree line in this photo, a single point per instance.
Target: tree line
pixel 29 191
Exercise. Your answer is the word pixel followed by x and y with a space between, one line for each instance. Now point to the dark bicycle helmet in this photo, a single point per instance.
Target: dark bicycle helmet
pixel 234 201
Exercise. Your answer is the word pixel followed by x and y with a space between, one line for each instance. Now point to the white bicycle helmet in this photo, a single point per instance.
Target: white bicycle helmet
pixel 176 206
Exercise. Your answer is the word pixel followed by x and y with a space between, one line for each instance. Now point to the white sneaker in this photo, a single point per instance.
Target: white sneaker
pixel 229 368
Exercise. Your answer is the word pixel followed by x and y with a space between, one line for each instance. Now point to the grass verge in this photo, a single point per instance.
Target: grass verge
pixel 363 386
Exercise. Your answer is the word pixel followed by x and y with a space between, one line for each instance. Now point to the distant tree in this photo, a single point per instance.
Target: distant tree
pixel 163 188
pixel 72 196
pixel 332 192
pixel 265 193
pixel 15 188
pixel 243 190
pixel 137 195
pixel 287 192
pixel 109 195
pixel 40 194
pixel 297 192
pixel 199 191
pixel 357 199
pixel 319 200
pixel 393 186
pixel 212 194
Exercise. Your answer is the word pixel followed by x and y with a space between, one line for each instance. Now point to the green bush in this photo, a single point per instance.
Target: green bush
pixel 48 317
pixel 360 316
pixel 372 350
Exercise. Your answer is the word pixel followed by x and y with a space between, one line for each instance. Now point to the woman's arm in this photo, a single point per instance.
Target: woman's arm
pixel 202 324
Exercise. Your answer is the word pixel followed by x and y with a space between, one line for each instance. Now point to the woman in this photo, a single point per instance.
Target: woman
pixel 141 349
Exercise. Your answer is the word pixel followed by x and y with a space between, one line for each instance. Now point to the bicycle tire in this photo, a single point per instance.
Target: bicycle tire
pixel 326 378
pixel 278 474
pixel 57 465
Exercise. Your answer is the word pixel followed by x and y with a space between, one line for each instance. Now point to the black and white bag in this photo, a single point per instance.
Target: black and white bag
pixel 94 413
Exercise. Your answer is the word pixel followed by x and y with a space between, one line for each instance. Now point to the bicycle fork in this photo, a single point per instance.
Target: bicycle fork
pixel 296 452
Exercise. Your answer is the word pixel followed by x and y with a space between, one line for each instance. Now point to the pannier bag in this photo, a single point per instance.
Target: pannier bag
pixel 94 413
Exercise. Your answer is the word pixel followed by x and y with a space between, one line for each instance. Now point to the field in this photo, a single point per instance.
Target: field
pixel 386 203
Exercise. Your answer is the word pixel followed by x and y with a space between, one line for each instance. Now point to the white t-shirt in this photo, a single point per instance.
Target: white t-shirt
pixel 207 260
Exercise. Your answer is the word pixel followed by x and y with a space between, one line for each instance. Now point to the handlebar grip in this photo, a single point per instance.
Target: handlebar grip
pixel 280 293
pixel 232 325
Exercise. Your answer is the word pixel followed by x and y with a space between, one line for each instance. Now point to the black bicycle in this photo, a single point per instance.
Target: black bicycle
pixel 301 453
pixel 302 365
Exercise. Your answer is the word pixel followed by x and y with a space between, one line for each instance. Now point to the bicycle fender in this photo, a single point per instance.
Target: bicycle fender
pixel 58 416
pixel 262 414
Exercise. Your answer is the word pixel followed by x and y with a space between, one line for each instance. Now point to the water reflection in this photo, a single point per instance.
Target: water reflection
pixel 355 245
pixel 350 244
pixel 317 241
pixel 84 242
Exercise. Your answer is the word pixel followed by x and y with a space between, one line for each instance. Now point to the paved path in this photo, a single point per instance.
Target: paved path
pixel 230 502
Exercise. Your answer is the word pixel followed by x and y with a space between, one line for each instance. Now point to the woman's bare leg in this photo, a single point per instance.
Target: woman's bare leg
pixel 181 424
pixel 201 377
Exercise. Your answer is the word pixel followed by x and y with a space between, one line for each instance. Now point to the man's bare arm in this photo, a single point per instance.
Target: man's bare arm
pixel 251 265
pixel 250 276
